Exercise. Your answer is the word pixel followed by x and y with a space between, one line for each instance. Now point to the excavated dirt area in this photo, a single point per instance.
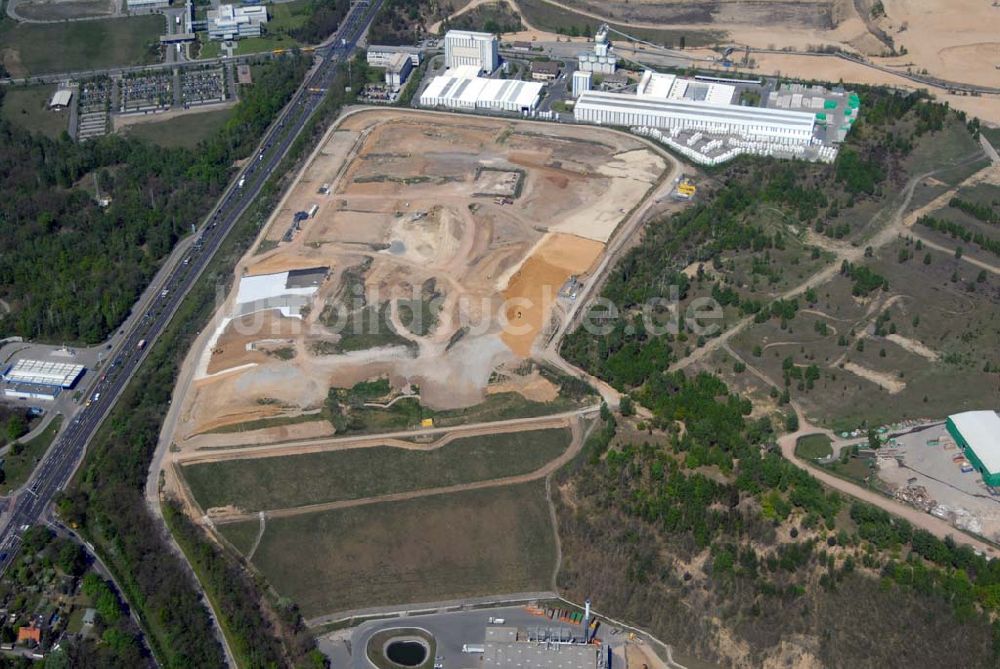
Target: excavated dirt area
pixel 471 223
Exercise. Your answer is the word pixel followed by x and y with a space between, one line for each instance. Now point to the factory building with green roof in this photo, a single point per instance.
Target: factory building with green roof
pixel 978 434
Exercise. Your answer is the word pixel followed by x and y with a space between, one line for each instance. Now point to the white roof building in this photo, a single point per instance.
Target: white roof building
pixel 230 22
pixel 44 373
pixel 980 432
pixel 748 122
pixel 61 98
pixel 282 291
pixel 463 47
pixel 481 93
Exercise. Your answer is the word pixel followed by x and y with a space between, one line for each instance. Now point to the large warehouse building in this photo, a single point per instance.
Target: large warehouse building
pixel 40 379
pixel 462 48
pixel 753 123
pixel 469 93
pixel 978 434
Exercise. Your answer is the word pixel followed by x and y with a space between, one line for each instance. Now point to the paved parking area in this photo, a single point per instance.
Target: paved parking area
pixel 928 460
pixel 451 631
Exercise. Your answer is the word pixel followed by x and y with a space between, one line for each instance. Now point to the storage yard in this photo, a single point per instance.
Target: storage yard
pixel 927 469
pixel 475 230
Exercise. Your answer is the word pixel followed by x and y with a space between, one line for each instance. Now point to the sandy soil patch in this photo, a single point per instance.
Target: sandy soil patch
pixel 533 289
pixel 914 346
pixel 955 40
pixel 534 387
pixel 881 379
pixel 400 219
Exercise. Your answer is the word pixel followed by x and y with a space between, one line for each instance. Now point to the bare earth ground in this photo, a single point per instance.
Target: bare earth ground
pixel 956 41
pixel 414 203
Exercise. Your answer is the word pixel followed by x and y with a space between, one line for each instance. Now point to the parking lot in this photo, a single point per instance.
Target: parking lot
pixel 203 86
pixel 144 92
pixel 931 460
pixel 94 101
pixel 451 632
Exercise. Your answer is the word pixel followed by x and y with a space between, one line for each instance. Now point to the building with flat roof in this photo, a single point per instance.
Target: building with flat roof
pixel 44 373
pixel 379 56
pixel 230 22
pixel 544 70
pixel 397 70
pixel 148 4
pixel 480 93
pixel 463 47
pixel 503 649
pixel 978 434
pixel 747 122
pixel 582 82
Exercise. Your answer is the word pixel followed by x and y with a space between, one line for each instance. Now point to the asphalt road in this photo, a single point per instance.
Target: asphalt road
pixel 55 470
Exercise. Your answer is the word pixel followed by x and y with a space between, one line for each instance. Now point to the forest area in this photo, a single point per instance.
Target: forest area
pixel 692 509
pixel 106 499
pixel 72 269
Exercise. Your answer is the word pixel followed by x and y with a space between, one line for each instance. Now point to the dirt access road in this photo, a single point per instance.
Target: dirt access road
pixel 576 443
pixel 395 439
pixel 924 521
pixel 852 254
pixel 917 518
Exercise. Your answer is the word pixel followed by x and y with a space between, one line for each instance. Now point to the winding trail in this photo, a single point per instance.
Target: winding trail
pixel 852 254
pixel 936 526
pixel 925 521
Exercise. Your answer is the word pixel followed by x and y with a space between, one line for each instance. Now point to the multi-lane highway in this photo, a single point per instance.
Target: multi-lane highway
pixel 57 467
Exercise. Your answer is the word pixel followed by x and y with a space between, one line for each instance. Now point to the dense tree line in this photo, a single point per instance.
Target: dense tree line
pixel 770 530
pixel 959 231
pixel 403 21
pixel 983 212
pixel 106 499
pixel 71 269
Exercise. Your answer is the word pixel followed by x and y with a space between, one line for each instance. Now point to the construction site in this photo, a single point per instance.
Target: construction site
pixel 429 256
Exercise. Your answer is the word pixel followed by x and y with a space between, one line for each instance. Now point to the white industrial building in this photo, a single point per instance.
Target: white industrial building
pixel 657 85
pixel 148 4
pixel 462 47
pixel 481 93
pixel 61 99
pixel 40 379
pixel 398 70
pixel 755 123
pixel 582 82
pixel 286 291
pixel 602 59
pixel 230 22
pixel 379 56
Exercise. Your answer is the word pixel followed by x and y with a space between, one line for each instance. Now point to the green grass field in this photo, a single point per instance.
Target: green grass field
pixel 182 131
pixel 276 483
pixel 27 106
pixel 18 468
pixel 243 535
pixel 34 48
pixel 813 446
pixel 428 549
